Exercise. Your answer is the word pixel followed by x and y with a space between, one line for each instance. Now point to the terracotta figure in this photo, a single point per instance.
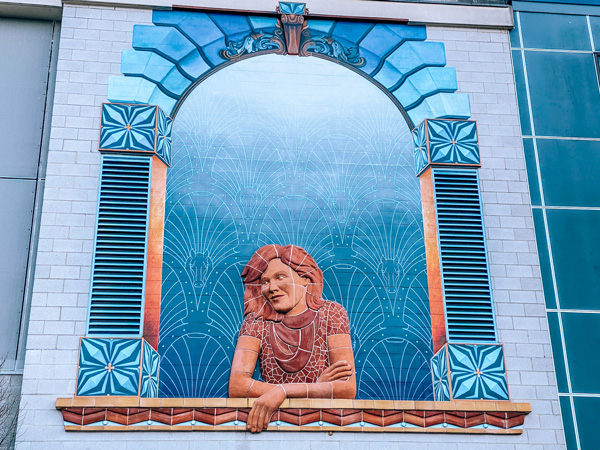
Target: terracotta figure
pixel 302 341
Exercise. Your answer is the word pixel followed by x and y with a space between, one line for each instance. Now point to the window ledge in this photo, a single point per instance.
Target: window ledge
pixel 229 414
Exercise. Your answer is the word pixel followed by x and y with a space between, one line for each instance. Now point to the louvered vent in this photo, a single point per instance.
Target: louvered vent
pixel 117 293
pixel 465 276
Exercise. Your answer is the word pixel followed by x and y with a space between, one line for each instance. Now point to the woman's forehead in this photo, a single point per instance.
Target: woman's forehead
pixel 276 265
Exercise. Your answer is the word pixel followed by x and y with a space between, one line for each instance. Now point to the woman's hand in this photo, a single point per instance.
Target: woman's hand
pixel 337 371
pixel 263 408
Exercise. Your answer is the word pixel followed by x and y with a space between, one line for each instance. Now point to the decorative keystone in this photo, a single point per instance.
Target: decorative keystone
pixel 117 367
pixel 469 372
pixel 136 128
pixel 446 142
pixel 292 18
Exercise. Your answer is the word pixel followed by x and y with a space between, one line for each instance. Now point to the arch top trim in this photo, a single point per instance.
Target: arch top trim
pixel 182 48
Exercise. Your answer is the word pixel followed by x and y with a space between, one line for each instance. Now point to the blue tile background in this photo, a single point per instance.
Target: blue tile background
pixel 329 167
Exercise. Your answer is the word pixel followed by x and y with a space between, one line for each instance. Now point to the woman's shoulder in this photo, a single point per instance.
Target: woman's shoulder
pixel 333 307
pixel 252 326
pixel 336 318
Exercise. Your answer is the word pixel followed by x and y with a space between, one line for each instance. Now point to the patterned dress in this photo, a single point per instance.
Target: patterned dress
pixel 295 349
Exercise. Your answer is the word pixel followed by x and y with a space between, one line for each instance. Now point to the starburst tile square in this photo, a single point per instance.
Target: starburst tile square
pixel 470 372
pixel 446 142
pixel 117 367
pixel 136 128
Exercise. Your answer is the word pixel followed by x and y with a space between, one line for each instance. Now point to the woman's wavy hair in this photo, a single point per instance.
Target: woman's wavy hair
pixel 295 257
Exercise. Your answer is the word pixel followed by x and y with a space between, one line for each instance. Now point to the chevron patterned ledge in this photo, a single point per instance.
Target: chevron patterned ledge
pixel 176 414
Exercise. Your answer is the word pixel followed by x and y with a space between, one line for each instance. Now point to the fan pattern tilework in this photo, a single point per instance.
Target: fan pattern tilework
pixel 329 168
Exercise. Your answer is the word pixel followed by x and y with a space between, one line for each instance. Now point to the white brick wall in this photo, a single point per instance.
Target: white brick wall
pixel 90 46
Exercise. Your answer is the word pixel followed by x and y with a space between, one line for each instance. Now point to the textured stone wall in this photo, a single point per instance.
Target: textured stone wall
pixel 90 46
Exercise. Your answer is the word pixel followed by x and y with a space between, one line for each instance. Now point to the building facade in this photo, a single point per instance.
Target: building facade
pixel 394 141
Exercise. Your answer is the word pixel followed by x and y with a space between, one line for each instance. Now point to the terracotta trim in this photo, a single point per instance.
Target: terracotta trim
pixel 156 225
pixel 434 275
pixel 294 403
pixel 223 414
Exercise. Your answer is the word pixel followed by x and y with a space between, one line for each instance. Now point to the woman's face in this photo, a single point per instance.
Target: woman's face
pixel 284 288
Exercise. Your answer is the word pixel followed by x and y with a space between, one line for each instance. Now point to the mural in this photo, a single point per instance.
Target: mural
pixel 281 150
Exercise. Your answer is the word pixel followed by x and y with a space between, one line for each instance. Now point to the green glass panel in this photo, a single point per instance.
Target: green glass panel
pixel 564 93
pixel 542 245
pixel 524 117
pixel 555 31
pixel 532 175
pixel 586 410
pixel 595 24
pixel 582 334
pixel 569 171
pixel 567 416
pixel 576 255
pixel 515 41
pixel 557 353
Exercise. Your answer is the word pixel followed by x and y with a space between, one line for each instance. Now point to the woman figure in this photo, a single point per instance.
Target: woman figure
pixel 303 341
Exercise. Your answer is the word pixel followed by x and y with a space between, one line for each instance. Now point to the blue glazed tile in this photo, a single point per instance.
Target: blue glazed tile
pixel 130 90
pixel 262 22
pixel 292 8
pixel 477 372
pixel 408 58
pixel 384 38
pixel 167 41
pixel 155 68
pixel 427 81
pixel 231 24
pixel 442 106
pixel 109 367
pixel 453 142
pixel 175 83
pixel 194 65
pixel 198 27
pixel 134 62
pixel 439 373
pixel 127 127
pixel 163 101
pixel 351 31
pixel 320 26
pixel 195 42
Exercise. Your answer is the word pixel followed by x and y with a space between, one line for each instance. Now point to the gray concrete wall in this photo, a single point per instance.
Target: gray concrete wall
pixel 90 46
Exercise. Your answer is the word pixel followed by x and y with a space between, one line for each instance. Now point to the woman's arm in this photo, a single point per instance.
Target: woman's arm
pixel 337 381
pixel 341 372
